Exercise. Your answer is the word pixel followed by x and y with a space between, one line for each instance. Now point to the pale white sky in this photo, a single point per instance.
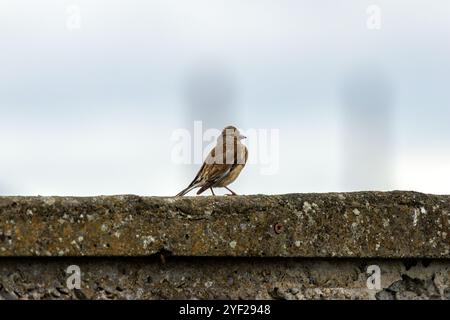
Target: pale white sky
pixel 91 110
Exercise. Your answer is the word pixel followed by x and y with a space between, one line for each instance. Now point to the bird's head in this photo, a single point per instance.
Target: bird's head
pixel 232 132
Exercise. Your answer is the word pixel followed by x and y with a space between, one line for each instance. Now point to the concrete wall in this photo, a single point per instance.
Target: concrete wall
pixel 296 246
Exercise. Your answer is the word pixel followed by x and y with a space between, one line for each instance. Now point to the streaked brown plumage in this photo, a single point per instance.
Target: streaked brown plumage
pixel 223 164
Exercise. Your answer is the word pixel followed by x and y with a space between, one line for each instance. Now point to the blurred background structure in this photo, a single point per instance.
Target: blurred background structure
pixel 210 96
pixel 92 91
pixel 367 153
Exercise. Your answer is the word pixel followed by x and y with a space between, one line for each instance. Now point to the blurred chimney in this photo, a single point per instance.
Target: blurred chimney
pixel 210 94
pixel 366 131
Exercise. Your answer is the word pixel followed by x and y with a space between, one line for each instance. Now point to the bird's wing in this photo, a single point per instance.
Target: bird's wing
pixel 210 166
pixel 217 165
pixel 215 173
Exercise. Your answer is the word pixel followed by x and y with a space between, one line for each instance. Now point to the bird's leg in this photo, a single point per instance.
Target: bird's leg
pixel 212 191
pixel 232 192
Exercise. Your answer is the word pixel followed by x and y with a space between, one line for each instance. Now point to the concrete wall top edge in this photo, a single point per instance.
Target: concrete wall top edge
pixel 394 224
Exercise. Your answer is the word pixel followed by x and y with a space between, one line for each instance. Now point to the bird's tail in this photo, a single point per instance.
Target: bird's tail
pixel 202 189
pixel 184 191
pixel 194 184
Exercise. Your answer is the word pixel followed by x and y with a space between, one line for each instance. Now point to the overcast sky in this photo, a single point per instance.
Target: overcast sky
pixel 91 93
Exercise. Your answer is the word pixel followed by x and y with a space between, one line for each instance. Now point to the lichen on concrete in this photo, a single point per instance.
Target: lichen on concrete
pixel 222 278
pixel 361 224
pixel 293 246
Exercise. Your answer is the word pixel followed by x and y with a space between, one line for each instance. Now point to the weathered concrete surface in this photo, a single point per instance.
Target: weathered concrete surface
pixel 222 278
pixel 363 224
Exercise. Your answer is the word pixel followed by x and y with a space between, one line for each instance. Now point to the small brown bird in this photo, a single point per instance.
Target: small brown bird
pixel 222 165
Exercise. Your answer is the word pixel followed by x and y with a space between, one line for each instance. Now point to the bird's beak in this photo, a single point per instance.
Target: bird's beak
pixel 242 137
